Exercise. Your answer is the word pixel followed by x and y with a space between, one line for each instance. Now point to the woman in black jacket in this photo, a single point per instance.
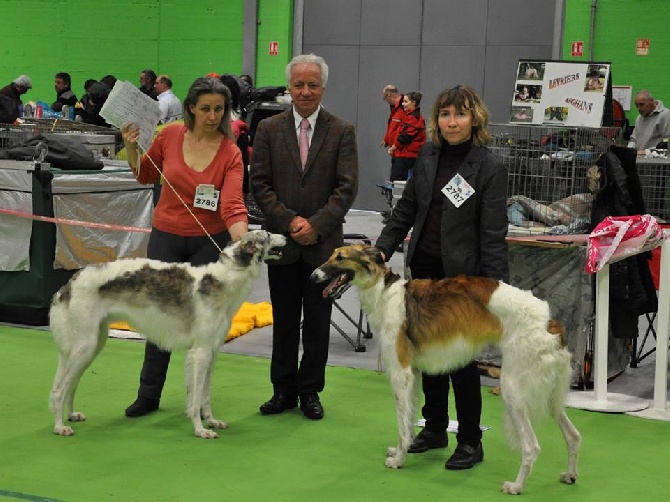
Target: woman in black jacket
pixel 456 203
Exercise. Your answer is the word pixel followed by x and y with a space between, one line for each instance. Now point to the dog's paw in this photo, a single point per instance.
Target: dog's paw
pixel 393 463
pixel 206 434
pixel 217 424
pixel 63 430
pixel 511 488
pixel 568 478
pixel 391 452
pixel 77 416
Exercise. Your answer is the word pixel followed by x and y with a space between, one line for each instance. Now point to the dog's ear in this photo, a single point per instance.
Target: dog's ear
pixel 374 254
pixel 247 252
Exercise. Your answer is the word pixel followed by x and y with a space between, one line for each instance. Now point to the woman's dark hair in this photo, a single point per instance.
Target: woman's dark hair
pixel 151 75
pixel 415 96
pixel 208 85
pixel 110 80
pixel 463 98
pixel 99 93
pixel 89 83
pixel 230 81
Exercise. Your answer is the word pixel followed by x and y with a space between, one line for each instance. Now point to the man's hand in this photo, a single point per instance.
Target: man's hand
pixel 302 232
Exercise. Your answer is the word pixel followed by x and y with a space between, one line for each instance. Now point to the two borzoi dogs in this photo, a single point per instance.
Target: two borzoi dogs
pixel 440 326
pixel 175 306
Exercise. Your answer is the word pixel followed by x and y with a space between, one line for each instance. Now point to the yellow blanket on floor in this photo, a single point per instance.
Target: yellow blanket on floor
pixel 250 316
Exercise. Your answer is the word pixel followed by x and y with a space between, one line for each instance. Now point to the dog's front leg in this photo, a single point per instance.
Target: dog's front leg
pixel 206 410
pixel 198 363
pixel 403 381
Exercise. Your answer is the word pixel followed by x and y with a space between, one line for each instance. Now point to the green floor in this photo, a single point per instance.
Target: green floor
pixel 285 457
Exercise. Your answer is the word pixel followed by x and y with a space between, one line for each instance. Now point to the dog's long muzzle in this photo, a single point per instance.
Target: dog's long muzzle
pixel 338 283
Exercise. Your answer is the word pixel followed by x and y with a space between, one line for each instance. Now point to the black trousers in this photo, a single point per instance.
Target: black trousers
pixel 465 381
pixel 293 294
pixel 173 248
pixel 401 167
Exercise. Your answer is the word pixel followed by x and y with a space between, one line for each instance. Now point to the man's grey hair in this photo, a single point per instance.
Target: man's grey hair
pixel 24 81
pixel 644 93
pixel 308 59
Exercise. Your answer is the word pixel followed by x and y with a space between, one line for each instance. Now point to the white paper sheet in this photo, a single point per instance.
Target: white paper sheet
pixel 126 103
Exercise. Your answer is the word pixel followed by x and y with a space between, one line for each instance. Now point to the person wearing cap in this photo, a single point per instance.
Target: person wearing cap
pixel 16 89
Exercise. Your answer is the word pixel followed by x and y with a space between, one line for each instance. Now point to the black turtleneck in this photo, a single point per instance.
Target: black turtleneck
pixel 450 159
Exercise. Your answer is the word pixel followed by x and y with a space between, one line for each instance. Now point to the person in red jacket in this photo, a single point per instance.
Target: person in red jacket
pixel 391 95
pixel 409 137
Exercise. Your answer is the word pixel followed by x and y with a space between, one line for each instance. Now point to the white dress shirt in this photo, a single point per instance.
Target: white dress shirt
pixel 170 107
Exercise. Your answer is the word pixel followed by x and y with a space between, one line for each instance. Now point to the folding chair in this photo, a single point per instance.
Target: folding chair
pixel 638 353
pixel 361 331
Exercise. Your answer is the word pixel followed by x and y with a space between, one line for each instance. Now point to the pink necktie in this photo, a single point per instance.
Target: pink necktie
pixel 303 141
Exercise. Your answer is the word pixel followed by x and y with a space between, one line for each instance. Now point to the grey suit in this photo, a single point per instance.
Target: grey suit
pixel 322 194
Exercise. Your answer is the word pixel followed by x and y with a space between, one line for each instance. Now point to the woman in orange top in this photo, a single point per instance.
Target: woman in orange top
pixel 203 165
pixel 410 136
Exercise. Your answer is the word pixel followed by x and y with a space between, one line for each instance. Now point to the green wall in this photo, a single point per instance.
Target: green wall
pixel 187 39
pixel 276 22
pixel 92 38
pixel 619 24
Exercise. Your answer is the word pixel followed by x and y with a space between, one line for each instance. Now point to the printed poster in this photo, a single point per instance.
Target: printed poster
pixel 560 93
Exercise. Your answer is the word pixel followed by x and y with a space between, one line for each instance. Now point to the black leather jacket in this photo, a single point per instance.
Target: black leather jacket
pixel 473 235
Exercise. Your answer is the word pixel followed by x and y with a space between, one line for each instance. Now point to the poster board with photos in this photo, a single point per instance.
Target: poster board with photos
pixel 561 93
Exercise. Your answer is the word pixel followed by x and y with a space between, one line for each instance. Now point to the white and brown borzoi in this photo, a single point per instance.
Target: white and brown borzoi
pixel 440 326
pixel 174 305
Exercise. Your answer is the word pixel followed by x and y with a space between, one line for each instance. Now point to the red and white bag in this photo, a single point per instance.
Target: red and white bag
pixel 618 237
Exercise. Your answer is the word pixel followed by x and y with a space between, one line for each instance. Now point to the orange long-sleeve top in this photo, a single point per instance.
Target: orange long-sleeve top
pixel 225 172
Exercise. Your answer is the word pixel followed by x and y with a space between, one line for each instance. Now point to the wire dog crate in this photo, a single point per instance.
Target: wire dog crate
pixel 548 168
pixel 106 141
pixel 654 176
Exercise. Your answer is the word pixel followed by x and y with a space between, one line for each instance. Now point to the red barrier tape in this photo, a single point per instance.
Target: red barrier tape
pixel 75 223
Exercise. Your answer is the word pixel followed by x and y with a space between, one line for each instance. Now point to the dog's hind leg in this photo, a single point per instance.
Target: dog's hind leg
pixel 70 369
pixel 206 409
pixel 404 383
pixel 198 363
pixel 57 397
pixel 573 440
pixel 518 417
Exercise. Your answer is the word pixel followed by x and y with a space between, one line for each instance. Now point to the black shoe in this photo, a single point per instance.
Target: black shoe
pixel 427 440
pixel 311 406
pixel 279 403
pixel 142 406
pixel 465 457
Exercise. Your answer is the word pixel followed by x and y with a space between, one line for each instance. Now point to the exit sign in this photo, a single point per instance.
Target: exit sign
pixel 577 49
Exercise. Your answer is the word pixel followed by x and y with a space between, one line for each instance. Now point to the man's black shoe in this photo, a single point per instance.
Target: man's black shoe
pixel 278 403
pixel 311 406
pixel 465 457
pixel 142 406
pixel 427 440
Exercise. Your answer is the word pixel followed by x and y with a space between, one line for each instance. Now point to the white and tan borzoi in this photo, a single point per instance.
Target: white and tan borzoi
pixel 440 326
pixel 174 305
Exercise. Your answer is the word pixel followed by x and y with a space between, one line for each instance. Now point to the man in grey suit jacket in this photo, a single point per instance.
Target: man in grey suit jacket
pixel 306 199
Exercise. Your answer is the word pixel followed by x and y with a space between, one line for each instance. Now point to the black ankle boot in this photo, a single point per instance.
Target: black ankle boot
pixel 142 406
